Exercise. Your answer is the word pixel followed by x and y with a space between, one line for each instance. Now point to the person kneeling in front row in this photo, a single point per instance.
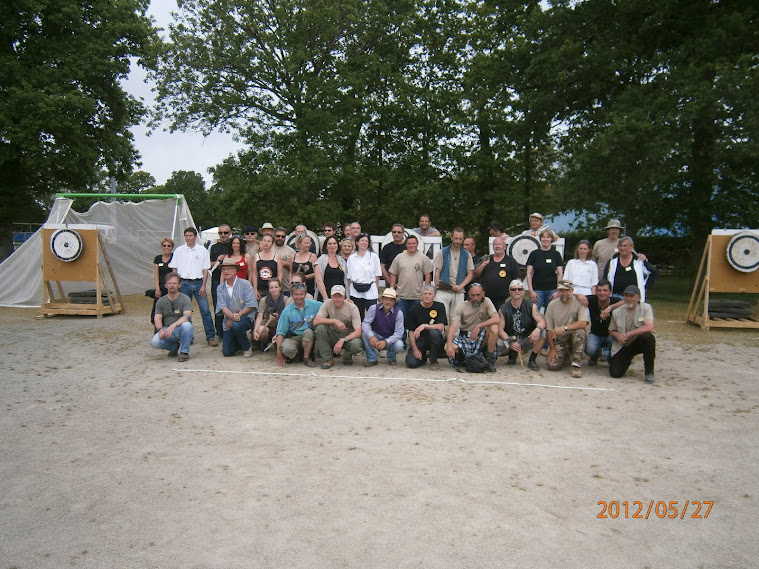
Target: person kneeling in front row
pixel 632 326
pixel 173 313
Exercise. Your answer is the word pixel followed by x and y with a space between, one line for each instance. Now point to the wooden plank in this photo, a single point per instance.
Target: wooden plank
pixel 110 272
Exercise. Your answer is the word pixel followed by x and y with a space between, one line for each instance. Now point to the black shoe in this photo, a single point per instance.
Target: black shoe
pixel 592 362
pixel 533 365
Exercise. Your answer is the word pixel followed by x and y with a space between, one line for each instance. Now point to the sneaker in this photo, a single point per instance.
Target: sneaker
pixel 328 364
pixel 434 366
pixel 247 353
pixel 650 378
pixel 370 364
pixel 576 371
pixel 533 365
pixel 173 353
pixel 212 342
pixel 183 357
pixel 383 354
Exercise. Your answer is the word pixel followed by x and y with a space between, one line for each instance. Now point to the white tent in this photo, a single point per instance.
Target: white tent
pixel 132 232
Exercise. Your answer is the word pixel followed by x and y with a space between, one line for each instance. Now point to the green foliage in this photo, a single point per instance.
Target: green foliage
pixel 63 114
pixel 473 111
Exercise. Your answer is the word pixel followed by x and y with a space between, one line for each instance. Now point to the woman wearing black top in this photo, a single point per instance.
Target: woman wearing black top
pixel 545 268
pixel 160 270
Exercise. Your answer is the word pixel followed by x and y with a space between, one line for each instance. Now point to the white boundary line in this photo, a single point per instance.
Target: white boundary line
pixel 420 379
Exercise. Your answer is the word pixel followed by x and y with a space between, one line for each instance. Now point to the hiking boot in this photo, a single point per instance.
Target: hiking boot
pixel 370 364
pixel 533 365
pixel 173 353
pixel 212 342
pixel 247 353
pixel 182 357
pixel 576 371
pixel 328 364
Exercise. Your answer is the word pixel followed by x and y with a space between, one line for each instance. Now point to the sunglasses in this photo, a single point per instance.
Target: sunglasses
pixel 250 233
pixel 397 232
pixel 224 232
pixel 280 236
pixel 517 289
pixel 166 245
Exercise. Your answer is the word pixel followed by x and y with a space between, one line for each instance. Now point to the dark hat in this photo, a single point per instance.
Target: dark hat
pixel 250 228
pixel 632 289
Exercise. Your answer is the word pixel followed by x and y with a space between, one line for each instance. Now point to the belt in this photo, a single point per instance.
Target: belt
pixel 192 280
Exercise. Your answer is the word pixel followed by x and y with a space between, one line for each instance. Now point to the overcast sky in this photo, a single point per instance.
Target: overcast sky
pixel 163 153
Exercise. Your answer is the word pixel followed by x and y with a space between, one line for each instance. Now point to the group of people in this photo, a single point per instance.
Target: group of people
pixel 458 305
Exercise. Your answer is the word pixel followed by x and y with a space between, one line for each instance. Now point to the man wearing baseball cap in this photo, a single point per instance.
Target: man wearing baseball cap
pixel 338 329
pixel 632 327
pixel 566 324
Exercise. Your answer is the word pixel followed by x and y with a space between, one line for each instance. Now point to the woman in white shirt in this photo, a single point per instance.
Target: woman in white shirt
pixel 582 271
pixel 364 272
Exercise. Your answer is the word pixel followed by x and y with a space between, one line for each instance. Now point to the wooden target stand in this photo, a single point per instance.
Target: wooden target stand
pixel 87 267
pixel 716 274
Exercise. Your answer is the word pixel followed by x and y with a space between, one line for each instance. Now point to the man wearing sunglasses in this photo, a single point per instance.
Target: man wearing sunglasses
pixel 390 251
pixel 521 326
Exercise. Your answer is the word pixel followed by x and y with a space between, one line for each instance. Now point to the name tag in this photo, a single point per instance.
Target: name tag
pixel 176 312
pixel 640 319
pixel 160 264
pixel 548 261
pixel 628 268
pixel 503 265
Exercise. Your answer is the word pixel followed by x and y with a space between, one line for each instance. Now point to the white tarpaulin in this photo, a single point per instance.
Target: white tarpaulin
pixel 132 238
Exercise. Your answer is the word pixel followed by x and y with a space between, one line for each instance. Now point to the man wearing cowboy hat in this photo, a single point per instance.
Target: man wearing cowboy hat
pixel 536 223
pixel 382 329
pixel 237 303
pixel 604 249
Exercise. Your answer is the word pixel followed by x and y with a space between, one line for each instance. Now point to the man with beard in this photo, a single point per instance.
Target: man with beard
pixel 173 312
pixel 453 271
pixel 477 323
pixel 632 327
pixel 496 272
pixel 425 324
pixel 382 329
pixel 520 326
pixel 286 253
pixel 566 321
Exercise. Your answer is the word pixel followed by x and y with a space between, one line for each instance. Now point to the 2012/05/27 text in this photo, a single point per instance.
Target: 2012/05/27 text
pixel 660 509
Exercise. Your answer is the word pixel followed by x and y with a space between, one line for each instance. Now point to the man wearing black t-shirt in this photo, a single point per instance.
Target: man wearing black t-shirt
pixel 392 250
pixel 219 250
pixel 496 272
pixel 425 324
pixel 600 308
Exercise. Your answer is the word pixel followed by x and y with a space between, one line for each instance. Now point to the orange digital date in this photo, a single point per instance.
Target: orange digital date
pixel 660 509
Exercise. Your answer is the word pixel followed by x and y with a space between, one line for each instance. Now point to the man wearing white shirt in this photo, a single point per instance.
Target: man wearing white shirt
pixel 191 262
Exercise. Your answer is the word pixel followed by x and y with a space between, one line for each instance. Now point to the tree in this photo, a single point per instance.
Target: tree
pixel 63 114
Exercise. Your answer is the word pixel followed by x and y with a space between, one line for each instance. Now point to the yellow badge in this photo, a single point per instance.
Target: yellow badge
pixel 502 274
pixel 433 313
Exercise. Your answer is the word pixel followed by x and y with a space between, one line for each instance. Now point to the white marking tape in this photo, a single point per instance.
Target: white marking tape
pixel 420 379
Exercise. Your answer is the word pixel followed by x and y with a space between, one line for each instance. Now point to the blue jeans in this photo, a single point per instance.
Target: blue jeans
pixel 404 305
pixel 594 344
pixel 192 289
pixel 180 340
pixel 236 337
pixel 371 353
pixel 544 297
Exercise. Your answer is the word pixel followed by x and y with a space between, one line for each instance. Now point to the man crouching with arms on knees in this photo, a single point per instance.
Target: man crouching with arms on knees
pixel 521 326
pixel 295 329
pixel 632 327
pixel 425 324
pixel 338 329
pixel 477 319
pixel 172 320
pixel 566 321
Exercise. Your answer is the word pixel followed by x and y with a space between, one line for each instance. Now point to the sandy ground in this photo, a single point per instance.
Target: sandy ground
pixel 113 455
